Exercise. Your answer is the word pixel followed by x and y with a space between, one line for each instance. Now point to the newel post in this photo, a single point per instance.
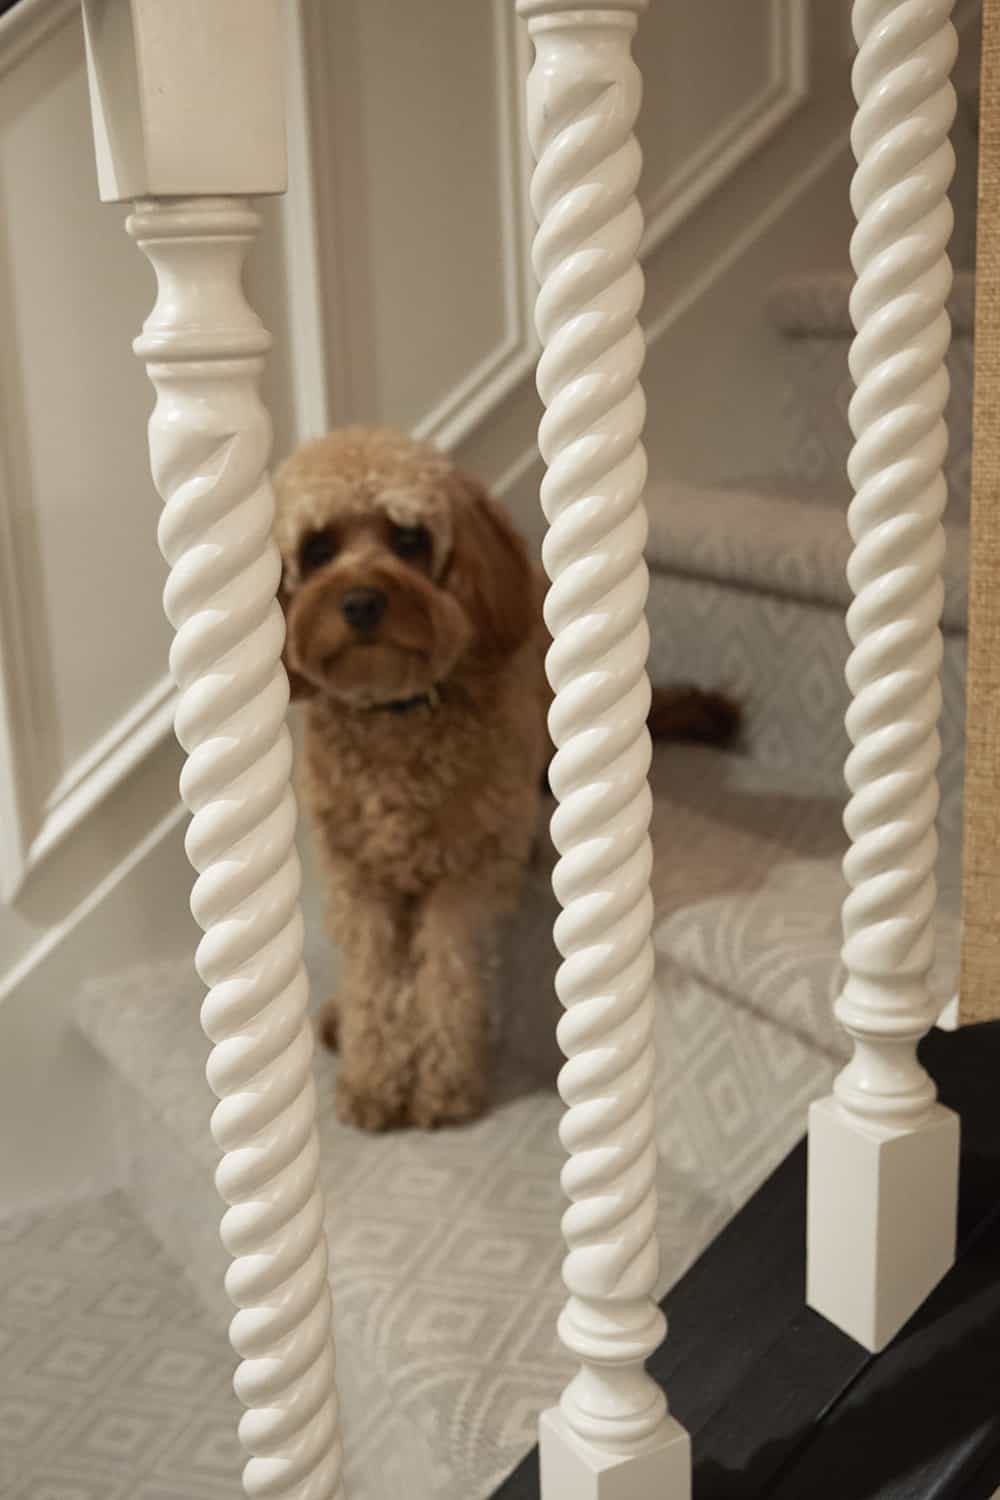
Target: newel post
pixel 188 125
pixel 883 1153
pixel 611 1438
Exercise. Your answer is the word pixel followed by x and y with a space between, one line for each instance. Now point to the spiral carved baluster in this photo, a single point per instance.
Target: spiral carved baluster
pixel 210 440
pixel 583 98
pixel 906 105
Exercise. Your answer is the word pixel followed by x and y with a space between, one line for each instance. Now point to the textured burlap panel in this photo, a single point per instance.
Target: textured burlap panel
pixel 980 983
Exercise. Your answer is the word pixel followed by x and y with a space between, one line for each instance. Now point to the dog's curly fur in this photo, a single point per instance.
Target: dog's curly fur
pixel 425 750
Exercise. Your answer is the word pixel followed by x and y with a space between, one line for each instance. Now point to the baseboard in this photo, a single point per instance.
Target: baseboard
pixel 782 1405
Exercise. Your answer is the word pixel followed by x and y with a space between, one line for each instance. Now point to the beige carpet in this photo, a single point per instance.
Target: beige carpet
pixel 111 1388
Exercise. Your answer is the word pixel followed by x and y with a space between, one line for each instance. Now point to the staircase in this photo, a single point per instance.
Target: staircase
pixel 750 580
pixel 445 1247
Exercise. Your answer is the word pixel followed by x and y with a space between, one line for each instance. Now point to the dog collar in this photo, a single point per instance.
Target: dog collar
pixel 430 699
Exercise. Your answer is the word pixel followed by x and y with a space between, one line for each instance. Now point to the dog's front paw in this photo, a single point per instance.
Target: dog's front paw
pixel 428 1108
pixel 449 1089
pixel 428 1111
pixel 367 1110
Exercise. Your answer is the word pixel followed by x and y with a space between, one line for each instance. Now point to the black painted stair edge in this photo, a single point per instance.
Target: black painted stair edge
pixel 985 1483
pixel 782 1405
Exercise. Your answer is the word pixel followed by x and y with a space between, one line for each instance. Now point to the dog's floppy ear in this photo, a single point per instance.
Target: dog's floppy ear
pixel 298 685
pixel 284 515
pixel 491 572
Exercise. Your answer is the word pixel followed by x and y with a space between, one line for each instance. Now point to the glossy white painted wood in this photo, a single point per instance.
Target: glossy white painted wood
pixel 611 1435
pixel 883 1154
pixel 175 121
pixel 210 443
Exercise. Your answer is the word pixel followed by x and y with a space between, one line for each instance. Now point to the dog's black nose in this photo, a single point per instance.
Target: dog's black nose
pixel 363 608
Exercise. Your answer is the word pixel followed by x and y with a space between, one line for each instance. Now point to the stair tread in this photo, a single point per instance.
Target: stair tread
pixel 445 1246
pixel 816 304
pixel 775 543
pixel 777 947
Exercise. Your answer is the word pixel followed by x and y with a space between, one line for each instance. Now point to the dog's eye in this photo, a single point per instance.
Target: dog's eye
pixel 318 548
pixel 410 541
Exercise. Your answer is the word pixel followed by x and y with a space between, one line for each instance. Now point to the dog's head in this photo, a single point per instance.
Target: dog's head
pixel 398 569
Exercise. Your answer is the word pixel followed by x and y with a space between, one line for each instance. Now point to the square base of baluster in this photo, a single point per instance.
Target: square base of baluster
pixel 881 1218
pixel 572 1470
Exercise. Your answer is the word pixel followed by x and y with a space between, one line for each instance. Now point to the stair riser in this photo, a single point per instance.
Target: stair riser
pixel 174 1196
pixel 784 660
pixel 816 437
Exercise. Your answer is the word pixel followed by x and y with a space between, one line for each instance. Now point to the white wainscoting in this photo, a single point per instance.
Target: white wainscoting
pixel 755 83
pixel 746 146
pixel 85 698
pixel 422 175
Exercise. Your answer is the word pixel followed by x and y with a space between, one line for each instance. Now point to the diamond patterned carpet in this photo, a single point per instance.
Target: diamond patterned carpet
pixel 110 1384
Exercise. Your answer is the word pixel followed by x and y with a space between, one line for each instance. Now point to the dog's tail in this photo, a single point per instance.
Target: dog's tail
pixel 685 712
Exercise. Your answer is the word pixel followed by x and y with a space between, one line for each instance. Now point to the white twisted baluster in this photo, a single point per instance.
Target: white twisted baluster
pixel 905 163
pixel 899 250
pixel 210 440
pixel 583 97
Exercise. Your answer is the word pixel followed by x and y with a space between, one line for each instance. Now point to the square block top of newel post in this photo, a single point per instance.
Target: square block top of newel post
pixel 186 97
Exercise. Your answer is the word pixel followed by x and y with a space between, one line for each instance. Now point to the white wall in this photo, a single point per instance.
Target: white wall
pixel 421 181
pixel 396 276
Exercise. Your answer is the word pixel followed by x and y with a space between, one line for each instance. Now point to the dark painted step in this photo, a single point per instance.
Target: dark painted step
pixel 780 1404
pixel 985 1483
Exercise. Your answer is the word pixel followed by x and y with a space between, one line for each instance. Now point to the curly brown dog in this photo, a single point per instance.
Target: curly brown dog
pixel 414 628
